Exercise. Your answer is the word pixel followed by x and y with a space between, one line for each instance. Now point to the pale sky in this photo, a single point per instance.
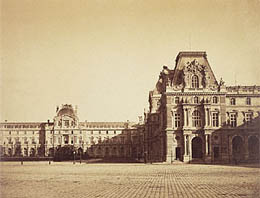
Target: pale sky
pixel 105 55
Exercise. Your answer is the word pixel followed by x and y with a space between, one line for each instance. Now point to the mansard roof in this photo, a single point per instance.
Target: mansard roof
pixel 106 124
pixel 193 62
pixel 66 110
pixel 191 54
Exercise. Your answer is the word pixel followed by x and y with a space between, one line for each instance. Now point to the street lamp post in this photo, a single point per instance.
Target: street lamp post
pixel 74 152
pixel 53 139
pixel 22 160
pixel 80 157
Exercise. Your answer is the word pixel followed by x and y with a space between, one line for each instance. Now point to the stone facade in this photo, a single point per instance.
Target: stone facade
pixel 97 139
pixel 193 117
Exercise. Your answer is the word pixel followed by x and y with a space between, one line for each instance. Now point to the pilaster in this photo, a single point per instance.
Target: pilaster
pixel 169 149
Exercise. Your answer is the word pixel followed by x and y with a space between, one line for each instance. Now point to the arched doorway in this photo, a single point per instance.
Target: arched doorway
pixel 10 152
pixel 197 147
pixel 114 152
pixel 80 151
pixel 253 147
pixel 107 152
pixel 122 152
pixel 25 151
pixel 237 148
pixel 99 152
pixel 33 152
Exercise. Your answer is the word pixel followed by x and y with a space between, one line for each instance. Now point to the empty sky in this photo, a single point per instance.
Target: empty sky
pixel 105 55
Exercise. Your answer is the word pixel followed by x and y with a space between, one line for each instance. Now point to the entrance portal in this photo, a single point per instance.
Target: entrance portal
pixel 253 147
pixel 196 147
pixel 178 153
pixel 237 148
pixel 216 152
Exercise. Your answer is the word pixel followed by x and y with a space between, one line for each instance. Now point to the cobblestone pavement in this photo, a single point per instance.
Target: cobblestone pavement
pixel 38 179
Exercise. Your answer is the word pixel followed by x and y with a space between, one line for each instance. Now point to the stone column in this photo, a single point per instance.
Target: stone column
pixel 174 147
pixel 207 144
pixel 186 157
pixel 169 154
pixel 190 146
pixel 207 148
pixel 189 121
pixel 246 147
pixel 206 118
pixel 184 117
pixel 230 149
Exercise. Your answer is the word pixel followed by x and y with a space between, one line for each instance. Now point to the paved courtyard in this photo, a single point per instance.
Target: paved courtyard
pixel 63 179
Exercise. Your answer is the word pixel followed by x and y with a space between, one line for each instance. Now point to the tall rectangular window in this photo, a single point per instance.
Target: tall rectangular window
pixel 177 100
pixel 233 120
pixel 80 139
pixel 195 82
pixel 196 119
pixel 196 100
pixel 67 123
pixel 215 120
pixel 177 119
pixel 248 117
pixel 233 101
pixel 248 101
pixel 215 100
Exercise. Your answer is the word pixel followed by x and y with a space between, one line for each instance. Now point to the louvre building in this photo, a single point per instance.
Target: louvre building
pixel 96 139
pixel 192 117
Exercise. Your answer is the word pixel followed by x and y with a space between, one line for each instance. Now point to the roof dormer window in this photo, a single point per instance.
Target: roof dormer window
pixel 195 81
pixel 196 100
pixel 248 101
pixel 233 101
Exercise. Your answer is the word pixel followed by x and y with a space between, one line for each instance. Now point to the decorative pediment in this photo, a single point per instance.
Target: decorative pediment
pixel 193 71
pixel 194 67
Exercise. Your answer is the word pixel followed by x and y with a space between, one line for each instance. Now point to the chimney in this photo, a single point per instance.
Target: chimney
pixel 76 109
pixel 140 119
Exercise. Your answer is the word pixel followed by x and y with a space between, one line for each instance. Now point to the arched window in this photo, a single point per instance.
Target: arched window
pixel 177 119
pixel 177 100
pixel 195 81
pixel 248 101
pixel 215 120
pixel 215 100
pixel 233 101
pixel 196 100
pixel 196 119
pixel 233 120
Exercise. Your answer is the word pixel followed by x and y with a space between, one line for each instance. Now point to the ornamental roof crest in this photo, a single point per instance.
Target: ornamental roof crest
pixel 194 67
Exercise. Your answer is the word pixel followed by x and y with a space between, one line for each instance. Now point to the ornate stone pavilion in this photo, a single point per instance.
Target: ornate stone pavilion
pixel 194 117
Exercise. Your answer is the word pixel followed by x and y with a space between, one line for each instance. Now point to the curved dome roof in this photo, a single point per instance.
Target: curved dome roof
pixel 66 110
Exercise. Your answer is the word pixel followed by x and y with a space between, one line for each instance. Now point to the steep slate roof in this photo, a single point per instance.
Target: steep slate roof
pixel 191 57
pixel 66 110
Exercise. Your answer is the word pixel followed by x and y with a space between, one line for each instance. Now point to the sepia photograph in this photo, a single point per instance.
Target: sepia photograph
pixel 130 98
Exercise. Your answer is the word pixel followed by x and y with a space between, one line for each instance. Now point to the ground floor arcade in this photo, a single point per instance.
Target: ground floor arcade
pixel 210 147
